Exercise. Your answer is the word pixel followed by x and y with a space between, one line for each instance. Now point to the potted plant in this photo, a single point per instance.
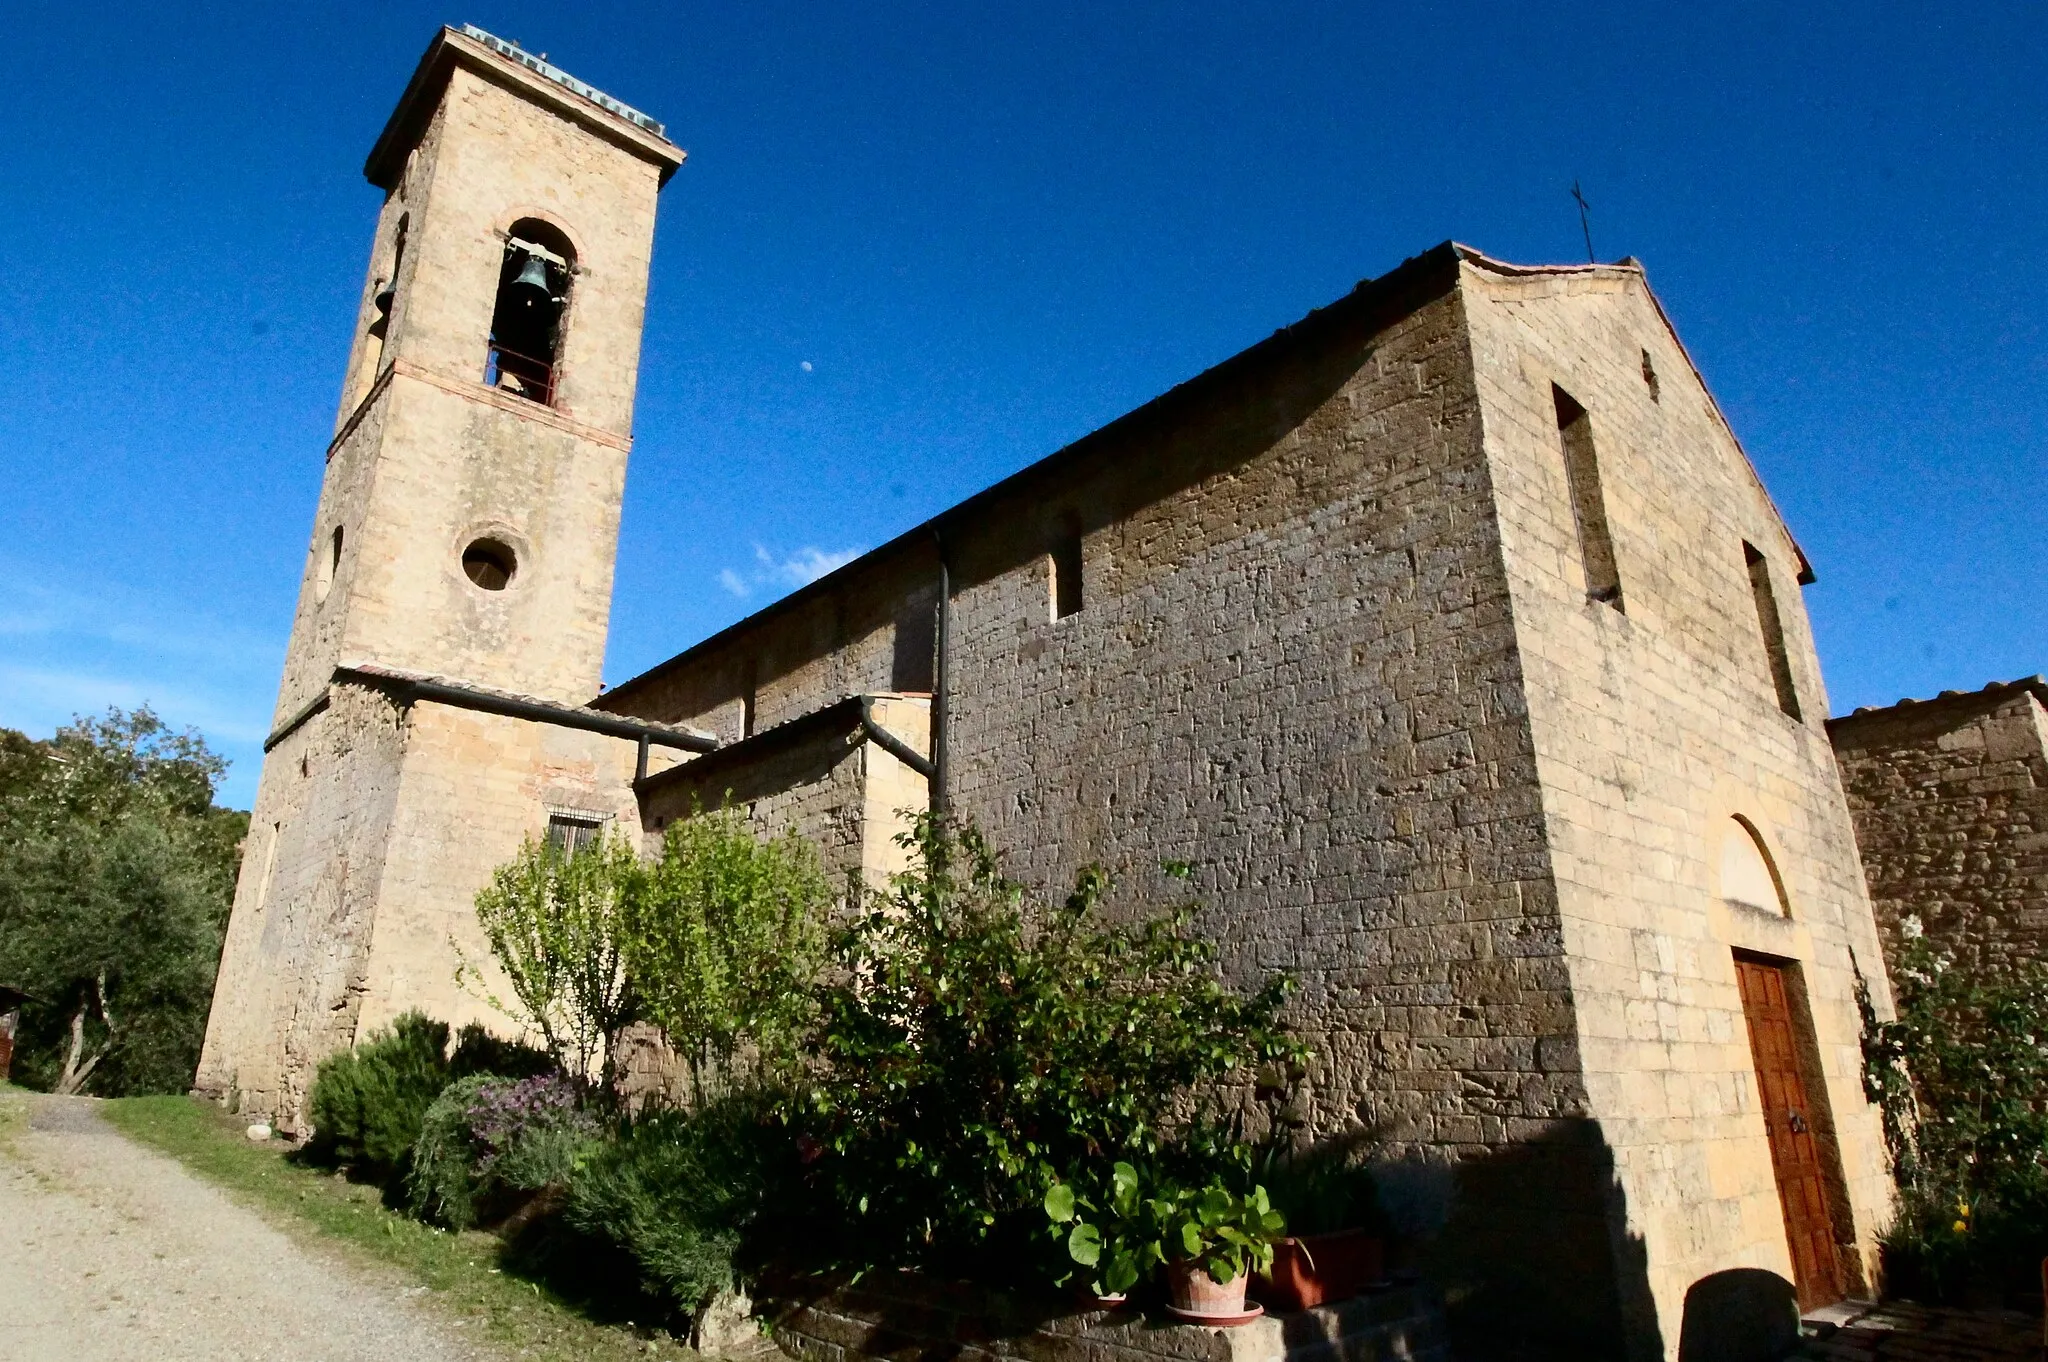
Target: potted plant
pixel 1111 1235
pixel 1338 1248
pixel 1215 1239
pixel 1209 1240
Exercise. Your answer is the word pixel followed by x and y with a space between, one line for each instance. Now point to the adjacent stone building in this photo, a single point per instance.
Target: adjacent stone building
pixel 1448 633
pixel 1950 798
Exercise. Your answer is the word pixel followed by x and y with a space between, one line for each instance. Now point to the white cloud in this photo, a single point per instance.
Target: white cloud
pixel 787 573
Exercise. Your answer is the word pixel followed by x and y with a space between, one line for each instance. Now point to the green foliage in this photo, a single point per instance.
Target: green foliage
pixel 1961 1075
pixel 441 1181
pixel 486 1136
pixel 679 1192
pixel 1130 1230
pixel 477 1051
pixel 967 1048
pixel 116 875
pixel 723 941
pixel 1321 1189
pixel 556 924
pixel 368 1103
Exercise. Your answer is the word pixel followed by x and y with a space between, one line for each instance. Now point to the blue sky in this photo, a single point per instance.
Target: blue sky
pixel 916 247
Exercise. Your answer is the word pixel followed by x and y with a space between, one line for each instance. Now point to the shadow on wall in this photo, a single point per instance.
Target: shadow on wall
pixel 1535 1259
pixel 1743 1315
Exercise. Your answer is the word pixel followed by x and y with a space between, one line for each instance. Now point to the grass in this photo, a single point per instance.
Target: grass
pixel 461 1270
pixel 13 1111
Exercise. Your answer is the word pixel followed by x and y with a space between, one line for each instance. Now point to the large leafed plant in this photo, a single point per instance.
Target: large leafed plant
pixel 971 1046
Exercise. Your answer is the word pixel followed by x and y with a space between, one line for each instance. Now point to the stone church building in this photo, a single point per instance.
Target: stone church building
pixel 1448 632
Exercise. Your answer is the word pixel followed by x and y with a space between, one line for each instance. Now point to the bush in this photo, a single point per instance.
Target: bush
pixel 680 1192
pixel 724 939
pixel 486 1135
pixel 971 1053
pixel 1961 1076
pixel 368 1103
pixel 441 1183
pixel 554 921
pixel 477 1051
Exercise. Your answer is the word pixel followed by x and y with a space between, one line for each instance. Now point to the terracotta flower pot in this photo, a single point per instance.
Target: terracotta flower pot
pixel 1195 1295
pixel 1318 1268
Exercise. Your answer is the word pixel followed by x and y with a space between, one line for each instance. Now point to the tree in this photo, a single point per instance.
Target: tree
pixel 725 936
pixel 117 872
pixel 554 921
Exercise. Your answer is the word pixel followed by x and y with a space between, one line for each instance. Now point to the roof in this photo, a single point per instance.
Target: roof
pixel 1414 282
pixel 509 65
pixel 448 690
pixel 1419 280
pixel 1992 692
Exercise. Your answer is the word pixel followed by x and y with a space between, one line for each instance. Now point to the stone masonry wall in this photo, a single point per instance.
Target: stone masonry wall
pixel 473 786
pixel 1950 798
pixel 1653 729
pixel 293 967
pixel 830 785
pixel 1299 673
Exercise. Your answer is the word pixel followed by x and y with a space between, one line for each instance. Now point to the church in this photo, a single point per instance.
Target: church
pixel 1448 633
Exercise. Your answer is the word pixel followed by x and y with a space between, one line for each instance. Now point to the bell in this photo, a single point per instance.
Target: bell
pixel 532 282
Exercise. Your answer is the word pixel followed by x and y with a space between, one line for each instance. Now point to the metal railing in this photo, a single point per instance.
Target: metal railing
pixel 523 375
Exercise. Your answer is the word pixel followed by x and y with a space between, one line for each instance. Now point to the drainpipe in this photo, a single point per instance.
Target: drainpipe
pixel 889 742
pixel 941 688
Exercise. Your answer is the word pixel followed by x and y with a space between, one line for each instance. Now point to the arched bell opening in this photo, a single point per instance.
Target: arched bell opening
pixel 526 323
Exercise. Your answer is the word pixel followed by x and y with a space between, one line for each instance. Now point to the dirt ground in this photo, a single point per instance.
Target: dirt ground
pixel 113 1253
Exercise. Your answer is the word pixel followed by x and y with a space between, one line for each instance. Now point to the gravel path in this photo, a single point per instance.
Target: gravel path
pixel 113 1252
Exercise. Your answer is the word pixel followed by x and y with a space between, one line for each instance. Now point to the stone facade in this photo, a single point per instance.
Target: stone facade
pixel 1950 798
pixel 1338 646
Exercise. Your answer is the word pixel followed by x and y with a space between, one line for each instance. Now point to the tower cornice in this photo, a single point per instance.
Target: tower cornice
pixel 524 74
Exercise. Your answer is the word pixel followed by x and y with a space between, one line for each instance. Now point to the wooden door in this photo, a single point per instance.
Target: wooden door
pixel 1788 1115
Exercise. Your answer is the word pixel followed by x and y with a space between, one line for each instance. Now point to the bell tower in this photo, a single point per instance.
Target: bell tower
pixel 462 549
pixel 470 510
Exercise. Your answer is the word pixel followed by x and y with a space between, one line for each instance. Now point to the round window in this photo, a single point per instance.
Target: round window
pixel 489 563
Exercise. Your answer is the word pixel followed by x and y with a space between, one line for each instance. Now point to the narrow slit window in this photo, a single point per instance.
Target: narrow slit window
pixel 1773 627
pixel 1065 560
pixel 569 834
pixel 330 564
pixel 1589 507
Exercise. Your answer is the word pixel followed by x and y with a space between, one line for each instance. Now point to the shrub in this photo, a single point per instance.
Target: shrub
pixel 681 1191
pixel 553 920
pixel 530 1133
pixel 723 941
pixel 368 1103
pixel 441 1183
pixel 485 1135
pixel 1961 1075
pixel 971 1050
pixel 477 1051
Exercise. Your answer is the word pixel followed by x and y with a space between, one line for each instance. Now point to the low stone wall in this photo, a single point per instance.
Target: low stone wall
pixel 906 1318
